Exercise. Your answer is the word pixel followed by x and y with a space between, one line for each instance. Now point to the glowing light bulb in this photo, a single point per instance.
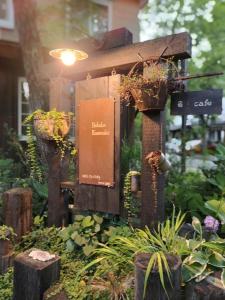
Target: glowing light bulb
pixel 68 57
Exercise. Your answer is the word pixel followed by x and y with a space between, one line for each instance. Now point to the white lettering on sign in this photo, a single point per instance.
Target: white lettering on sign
pixel 203 103
pixel 99 128
pixel 180 104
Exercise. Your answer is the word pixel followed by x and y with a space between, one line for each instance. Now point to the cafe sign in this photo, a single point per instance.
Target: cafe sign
pixel 96 142
pixel 197 102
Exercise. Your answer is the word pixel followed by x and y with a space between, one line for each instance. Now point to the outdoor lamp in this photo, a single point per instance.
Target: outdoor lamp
pixel 68 55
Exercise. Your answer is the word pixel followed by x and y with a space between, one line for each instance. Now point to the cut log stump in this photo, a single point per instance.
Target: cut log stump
pixel 33 277
pixel 17 210
pixel 5 262
pixel 154 289
pixel 204 290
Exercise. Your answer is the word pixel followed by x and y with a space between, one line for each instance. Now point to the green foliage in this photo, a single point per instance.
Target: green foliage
pixel 205 257
pixel 131 203
pixel 188 192
pixel 85 233
pixel 52 125
pixel 42 238
pixel 118 255
pixel 6 233
pixel 6 285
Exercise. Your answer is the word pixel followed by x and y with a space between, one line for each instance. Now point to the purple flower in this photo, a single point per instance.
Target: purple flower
pixel 211 224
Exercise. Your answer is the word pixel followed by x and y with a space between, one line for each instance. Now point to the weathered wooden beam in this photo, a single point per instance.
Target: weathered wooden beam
pixel 17 210
pixel 123 58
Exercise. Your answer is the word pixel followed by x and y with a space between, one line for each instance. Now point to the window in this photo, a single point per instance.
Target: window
pixel 23 106
pixel 6 14
pixel 85 18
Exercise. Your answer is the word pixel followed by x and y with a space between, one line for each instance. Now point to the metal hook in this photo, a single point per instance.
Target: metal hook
pixel 88 76
pixel 113 72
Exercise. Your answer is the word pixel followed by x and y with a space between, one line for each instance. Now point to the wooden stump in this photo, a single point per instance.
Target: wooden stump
pixel 17 210
pixel 5 262
pixel 154 290
pixel 204 290
pixel 33 277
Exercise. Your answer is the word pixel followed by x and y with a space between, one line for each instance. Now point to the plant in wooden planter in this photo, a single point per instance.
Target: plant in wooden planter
pixel 6 237
pixel 52 126
pixel 161 251
pixel 147 91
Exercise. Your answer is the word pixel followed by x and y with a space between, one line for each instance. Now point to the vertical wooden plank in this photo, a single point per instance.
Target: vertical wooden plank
pixel 60 94
pixel 57 172
pixel 90 197
pixel 17 210
pixel 153 139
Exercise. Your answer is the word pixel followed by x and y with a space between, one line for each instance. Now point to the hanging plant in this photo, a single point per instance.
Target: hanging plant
pixel 53 126
pixel 147 91
pixel 130 202
pixel 159 164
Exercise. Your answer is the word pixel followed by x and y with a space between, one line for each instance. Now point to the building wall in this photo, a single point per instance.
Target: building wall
pixel 125 14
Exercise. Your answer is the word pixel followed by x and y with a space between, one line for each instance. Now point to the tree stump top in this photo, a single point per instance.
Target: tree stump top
pixel 25 259
pixel 19 191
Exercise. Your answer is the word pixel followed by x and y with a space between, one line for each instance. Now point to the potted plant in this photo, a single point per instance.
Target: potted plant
pixel 6 236
pixel 147 91
pixel 51 126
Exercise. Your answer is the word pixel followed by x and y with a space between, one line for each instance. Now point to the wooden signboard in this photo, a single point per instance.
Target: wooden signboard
pixel 92 195
pixel 197 103
pixel 96 142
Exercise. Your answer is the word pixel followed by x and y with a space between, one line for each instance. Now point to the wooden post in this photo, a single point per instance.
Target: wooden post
pixel 57 172
pixel 154 289
pixel 17 210
pixel 153 139
pixel 33 277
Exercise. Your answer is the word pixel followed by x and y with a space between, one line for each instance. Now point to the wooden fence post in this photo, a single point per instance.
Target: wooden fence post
pixel 154 289
pixel 17 210
pixel 33 277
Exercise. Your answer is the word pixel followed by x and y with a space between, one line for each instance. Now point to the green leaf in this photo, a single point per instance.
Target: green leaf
pixel 98 219
pixel 87 222
pixel 197 225
pixel 70 246
pixel 97 228
pixel 217 260
pixel 79 217
pixel 64 234
pixel 223 278
pixel 196 257
pixel 79 240
pixel 193 244
pixel 204 274
pixel 217 206
pixel 88 249
pixel 190 272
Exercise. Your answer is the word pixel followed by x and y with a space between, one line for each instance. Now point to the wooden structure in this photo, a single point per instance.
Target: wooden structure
pixel 17 210
pixel 6 255
pixel 154 289
pixel 99 65
pixel 33 277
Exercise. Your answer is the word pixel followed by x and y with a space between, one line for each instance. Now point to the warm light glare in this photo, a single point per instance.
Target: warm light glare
pixel 68 57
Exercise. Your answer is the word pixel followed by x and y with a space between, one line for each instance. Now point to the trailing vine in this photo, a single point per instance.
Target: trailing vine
pixel 51 125
pixel 130 202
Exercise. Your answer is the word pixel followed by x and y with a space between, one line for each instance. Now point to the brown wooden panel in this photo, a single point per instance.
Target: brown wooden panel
pixel 123 58
pixel 96 142
pixel 89 197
